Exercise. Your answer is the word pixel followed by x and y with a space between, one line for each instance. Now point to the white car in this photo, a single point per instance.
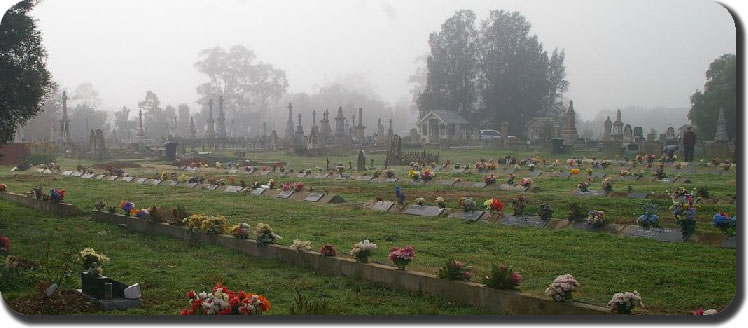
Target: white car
pixel 489 134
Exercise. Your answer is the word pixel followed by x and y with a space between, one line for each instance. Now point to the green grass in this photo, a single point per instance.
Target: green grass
pixel 167 268
pixel 672 277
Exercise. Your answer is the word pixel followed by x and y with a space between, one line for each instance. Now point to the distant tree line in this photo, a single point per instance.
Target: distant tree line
pixel 494 72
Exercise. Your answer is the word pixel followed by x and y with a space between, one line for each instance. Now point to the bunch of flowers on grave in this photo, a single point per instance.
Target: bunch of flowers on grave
pixel 265 235
pixel 588 171
pixel 399 195
pixel 212 180
pixel 242 183
pixel 440 202
pixel 716 161
pixel 100 206
pixel 526 182
pixel 510 179
pixel 301 245
pixel 455 270
pixel 649 218
pixel 183 178
pixel 56 195
pixel 271 184
pixel 179 215
pixel 111 209
pixel 545 211
pixel 414 175
pixel 725 223
pixel 327 250
pixel 726 166
pixel 639 174
pixel 363 250
pixel 491 165
pixel 608 185
pixel 223 301
pixel 3 187
pixel 389 174
pixel 402 256
pixel 517 167
pixel 4 244
pixel 241 230
pixel 427 175
pixel 340 168
pixel 232 180
pixel 481 166
pixel 562 288
pixel 467 204
pixel 583 186
pixel 705 312
pixel 574 171
pixel 164 176
pixel 605 163
pixel 255 185
pixel 379 198
pixel 684 210
pixel 519 204
pixel 420 201
pixel 494 206
pixel 128 207
pixel 490 179
pixel 625 303
pixel 503 277
pixel 624 173
pixel 376 174
pixel 286 186
pixel 660 172
pixel 457 166
pixel 142 214
pixel 678 166
pixel 531 167
pixel 576 212
pixel 92 261
pixel 298 186
pixel 596 218
pixel 639 158
pixel 571 161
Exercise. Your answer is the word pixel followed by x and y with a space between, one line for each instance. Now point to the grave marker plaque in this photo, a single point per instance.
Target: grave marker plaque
pixel 127 179
pixel 479 185
pixel 233 189
pixel 301 175
pixel 661 234
pixel 467 216
pixel 88 176
pixel 667 180
pixel 74 174
pixel 364 178
pixel 382 206
pixel 40 171
pixel 598 175
pixel 322 176
pixel 47 171
pixel 140 180
pixel 447 182
pixel 524 221
pixel 392 179
pixel 590 193
pixel 564 175
pixel 211 187
pixel 66 173
pixel 423 210
pixel 731 242
pixel 264 173
pixel 258 191
pixel 507 172
pixel 111 178
pixel 638 195
pixel 285 194
pixel 535 174
pixel 314 197
pixel 99 177
pixel 171 183
pixel 188 185
pixel 155 182
pixel 233 171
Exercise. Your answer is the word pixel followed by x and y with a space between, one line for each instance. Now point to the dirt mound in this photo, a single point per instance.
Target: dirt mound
pixel 63 302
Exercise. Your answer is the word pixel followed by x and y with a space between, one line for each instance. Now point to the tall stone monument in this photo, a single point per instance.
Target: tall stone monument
pixel 65 122
pixel 210 133
pixel 608 125
pixel 140 134
pixel 618 126
pixel 359 129
pixel 289 124
pixel 325 132
pixel 721 134
pixel 193 130
pixel 570 131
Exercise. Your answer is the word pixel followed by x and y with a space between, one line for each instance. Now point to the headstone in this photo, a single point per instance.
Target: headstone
pixel 140 180
pixel 524 221
pixel 74 174
pixel 155 182
pixel 99 177
pixel 460 170
pixel 322 176
pixel 479 185
pixel 336 199
pixel 127 179
pixel 88 176
pixel 661 234
pixel 211 187
pixel 314 197
pixel 258 191
pixel 65 174
pixel 467 216
pixel 111 178
pixel 233 171
pixel 132 292
pixel 382 206
pixel 364 178
pixel 343 177
pixel 42 171
pixel 667 180
pixel 598 175
pixel 233 189
pixel 423 210
pixel 285 194
pixel 638 195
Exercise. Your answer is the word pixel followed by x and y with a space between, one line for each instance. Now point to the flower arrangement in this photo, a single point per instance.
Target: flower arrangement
pixel 111 209
pixel 510 179
pixel 546 211
pixel 128 207
pixel 100 206
pixel 241 230
pixel 596 218
pixel 608 185
pixel 363 250
pixel 574 171
pixel 5 243
pixel 56 195
pixel 142 214
pixel 440 202
pixel 414 175
pixel 265 235
pixel 427 175
pixel 271 184
pixel 726 166
pixel 649 217
pixel 400 195
pixel 490 179
pixel 92 261
pixel 494 205
pixel 3 187
pixel 583 186
pixel 562 287
pixel 327 250
pixel 531 167
pixel 660 173
pixel 705 312
pixel 223 301
pixel 420 200
pixel 526 182
pixel 576 212
pixel 684 210
pixel 207 224
pixel 571 161
pixel 182 178
pixel 519 204
pixel 491 165
pixel 301 245
pixel 455 270
pixel 402 256
pixel 625 303
pixel 467 204
pixel 724 222
pixel 389 174
pixel 503 277
pixel 286 186
pixel 255 185
pixel 376 174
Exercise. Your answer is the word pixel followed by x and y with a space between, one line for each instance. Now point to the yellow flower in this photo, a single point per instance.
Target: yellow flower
pixel 574 171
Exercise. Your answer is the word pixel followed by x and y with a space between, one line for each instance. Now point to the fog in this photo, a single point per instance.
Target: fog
pixel 618 53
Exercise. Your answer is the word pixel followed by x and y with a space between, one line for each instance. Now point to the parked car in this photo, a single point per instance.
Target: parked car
pixel 489 134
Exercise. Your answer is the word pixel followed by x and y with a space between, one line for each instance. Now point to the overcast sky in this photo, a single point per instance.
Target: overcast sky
pixel 618 53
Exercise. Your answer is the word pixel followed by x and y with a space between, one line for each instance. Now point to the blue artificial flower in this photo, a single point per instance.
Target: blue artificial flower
pixel 399 194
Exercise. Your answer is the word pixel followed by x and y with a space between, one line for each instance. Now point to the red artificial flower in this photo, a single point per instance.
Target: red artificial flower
pixel 698 312
pixel 186 312
pixel 191 294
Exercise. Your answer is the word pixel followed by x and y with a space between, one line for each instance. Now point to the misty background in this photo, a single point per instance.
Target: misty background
pixel 644 57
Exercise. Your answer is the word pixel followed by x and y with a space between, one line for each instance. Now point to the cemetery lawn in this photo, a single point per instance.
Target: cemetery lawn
pixel 167 268
pixel 673 278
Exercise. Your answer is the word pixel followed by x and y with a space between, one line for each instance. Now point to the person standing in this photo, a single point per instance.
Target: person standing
pixel 689 141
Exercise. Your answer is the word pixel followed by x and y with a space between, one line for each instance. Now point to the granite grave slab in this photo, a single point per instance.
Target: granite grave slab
pixel 74 174
pixel 233 189
pixel 382 206
pixel 314 197
pixel 467 216
pixel 285 194
pixel 258 191
pixel 140 180
pixel 65 174
pixel 423 210
pixel 524 221
pixel 661 234
pixel 127 179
